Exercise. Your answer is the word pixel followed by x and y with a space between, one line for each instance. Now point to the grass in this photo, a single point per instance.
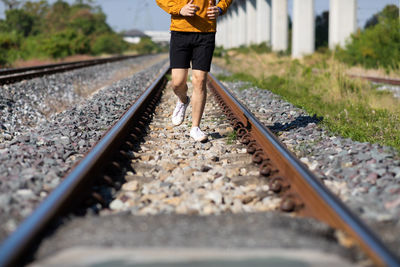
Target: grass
pixel 349 107
pixel 231 138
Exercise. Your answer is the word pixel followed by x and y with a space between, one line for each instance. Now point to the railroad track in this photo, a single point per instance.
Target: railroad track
pixel 378 79
pixel 300 190
pixel 18 74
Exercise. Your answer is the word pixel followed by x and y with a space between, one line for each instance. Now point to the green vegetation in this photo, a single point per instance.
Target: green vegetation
pixel 378 45
pixel 319 83
pixel 39 30
pixel 147 46
pixel 219 51
pixel 322 31
pixel 231 138
pixel 257 48
pixel 351 108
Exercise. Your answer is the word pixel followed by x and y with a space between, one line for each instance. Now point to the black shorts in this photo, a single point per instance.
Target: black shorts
pixel 195 47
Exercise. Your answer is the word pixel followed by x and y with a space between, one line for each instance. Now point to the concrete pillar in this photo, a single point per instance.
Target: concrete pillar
pixel 218 37
pixel 303 28
pixel 342 21
pixel 221 31
pixel 235 25
pixel 226 38
pixel 229 31
pixel 225 31
pixel 263 21
pixel 280 25
pixel 251 22
pixel 242 29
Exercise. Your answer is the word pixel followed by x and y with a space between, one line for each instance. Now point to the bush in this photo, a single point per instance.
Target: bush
pixel 376 46
pixel 66 43
pixel 219 51
pixel 258 48
pixel 9 40
pixel 108 43
pixel 40 30
pixel 19 21
pixel 389 12
pixel 146 46
pixel 9 45
pixel 261 48
pixel 32 47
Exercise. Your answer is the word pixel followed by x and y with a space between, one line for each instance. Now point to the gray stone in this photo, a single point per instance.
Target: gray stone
pixel 49 118
pixel 64 140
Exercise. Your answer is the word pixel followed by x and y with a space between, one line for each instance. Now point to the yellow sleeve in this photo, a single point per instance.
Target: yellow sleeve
pixel 172 7
pixel 224 4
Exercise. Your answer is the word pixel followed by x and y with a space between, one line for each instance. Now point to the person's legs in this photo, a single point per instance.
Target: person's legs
pixel 199 80
pixel 179 77
pixel 201 61
pixel 179 85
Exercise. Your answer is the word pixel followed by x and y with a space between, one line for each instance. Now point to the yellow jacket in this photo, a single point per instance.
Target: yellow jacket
pixel 198 23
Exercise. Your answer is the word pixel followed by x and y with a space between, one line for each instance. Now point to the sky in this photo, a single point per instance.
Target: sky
pixel 146 15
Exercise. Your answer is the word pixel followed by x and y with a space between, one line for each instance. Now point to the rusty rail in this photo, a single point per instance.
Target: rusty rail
pixel 70 193
pixel 301 190
pixel 18 74
pixel 390 81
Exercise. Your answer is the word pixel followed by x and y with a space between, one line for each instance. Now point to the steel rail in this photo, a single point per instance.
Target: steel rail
pixel 390 81
pixel 308 195
pixel 376 79
pixel 17 74
pixel 68 194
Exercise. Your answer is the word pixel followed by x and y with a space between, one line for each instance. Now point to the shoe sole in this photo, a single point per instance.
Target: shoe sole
pixel 205 138
pixel 177 124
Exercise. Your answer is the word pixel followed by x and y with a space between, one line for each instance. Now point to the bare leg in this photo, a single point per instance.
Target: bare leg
pixel 199 80
pixel 179 78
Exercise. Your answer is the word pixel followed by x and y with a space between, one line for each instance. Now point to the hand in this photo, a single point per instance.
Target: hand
pixel 189 10
pixel 213 11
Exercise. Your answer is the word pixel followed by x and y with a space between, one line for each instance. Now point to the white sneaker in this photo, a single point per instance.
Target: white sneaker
pixel 179 112
pixel 198 135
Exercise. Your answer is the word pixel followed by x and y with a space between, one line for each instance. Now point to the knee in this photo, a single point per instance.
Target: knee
pixel 199 82
pixel 178 84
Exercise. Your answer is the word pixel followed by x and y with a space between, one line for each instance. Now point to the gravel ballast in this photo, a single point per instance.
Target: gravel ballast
pixel 172 173
pixel 365 176
pixel 39 144
pixel 182 185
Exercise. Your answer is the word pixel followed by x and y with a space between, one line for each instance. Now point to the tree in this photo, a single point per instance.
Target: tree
pixel 377 45
pixel 83 2
pixel 389 12
pixel 110 43
pixel 38 11
pixel 57 17
pixel 322 30
pixel 11 4
pixel 34 29
pixel 19 21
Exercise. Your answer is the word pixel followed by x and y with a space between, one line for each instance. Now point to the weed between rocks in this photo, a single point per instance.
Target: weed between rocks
pixel 231 138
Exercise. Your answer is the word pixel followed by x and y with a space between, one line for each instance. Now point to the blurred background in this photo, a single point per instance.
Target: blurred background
pixel 44 30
